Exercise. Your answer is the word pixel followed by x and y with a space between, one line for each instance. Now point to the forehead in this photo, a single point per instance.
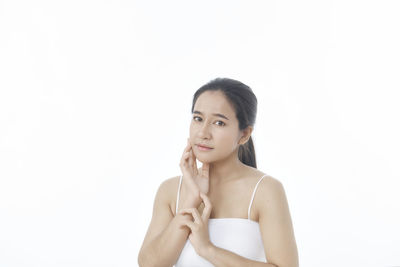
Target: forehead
pixel 214 102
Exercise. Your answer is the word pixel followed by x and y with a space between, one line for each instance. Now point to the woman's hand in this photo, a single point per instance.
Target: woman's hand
pixel 194 181
pixel 199 236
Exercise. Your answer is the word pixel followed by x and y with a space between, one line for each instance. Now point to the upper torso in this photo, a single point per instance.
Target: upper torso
pixel 229 200
pixel 233 223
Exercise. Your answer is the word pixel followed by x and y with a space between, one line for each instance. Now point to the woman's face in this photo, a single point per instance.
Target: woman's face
pixel 214 124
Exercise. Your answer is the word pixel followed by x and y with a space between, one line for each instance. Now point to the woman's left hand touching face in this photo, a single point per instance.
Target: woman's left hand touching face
pixel 199 236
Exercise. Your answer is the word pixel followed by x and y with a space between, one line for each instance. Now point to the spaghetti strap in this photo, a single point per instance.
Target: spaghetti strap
pixel 177 197
pixel 252 197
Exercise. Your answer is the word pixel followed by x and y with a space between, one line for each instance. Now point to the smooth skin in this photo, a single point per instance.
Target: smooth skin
pixel 221 188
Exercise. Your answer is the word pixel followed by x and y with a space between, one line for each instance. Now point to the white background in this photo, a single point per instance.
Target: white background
pixel 95 101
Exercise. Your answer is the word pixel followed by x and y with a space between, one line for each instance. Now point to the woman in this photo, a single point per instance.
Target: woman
pixel 212 216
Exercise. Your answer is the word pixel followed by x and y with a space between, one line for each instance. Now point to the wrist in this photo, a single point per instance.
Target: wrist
pixel 190 198
pixel 190 202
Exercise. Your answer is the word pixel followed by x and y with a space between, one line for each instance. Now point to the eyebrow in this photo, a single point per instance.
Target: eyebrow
pixel 215 114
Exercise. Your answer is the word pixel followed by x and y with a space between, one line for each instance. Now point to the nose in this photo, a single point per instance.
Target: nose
pixel 204 131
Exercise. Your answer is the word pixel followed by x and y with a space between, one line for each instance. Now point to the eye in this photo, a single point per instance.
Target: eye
pixel 195 118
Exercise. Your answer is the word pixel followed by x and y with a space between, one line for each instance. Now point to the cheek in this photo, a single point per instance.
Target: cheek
pixel 227 142
pixel 192 134
pixel 191 131
pixel 225 136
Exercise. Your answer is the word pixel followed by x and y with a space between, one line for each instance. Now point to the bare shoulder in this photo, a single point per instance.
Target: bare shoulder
pixel 267 182
pixel 270 191
pixel 269 188
pixel 271 183
pixel 171 182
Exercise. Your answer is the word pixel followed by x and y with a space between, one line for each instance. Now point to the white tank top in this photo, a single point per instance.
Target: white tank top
pixel 238 235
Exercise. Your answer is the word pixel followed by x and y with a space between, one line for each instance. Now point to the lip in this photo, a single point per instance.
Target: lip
pixel 203 147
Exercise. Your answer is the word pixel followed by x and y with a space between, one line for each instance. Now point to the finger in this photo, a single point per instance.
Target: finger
pixel 191 158
pixel 194 164
pixel 185 157
pixel 195 161
pixel 185 168
pixel 195 213
pixel 186 152
pixel 186 210
pixel 191 225
pixel 183 164
pixel 207 207
pixel 186 147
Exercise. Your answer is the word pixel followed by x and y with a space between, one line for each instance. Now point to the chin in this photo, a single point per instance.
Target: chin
pixel 204 159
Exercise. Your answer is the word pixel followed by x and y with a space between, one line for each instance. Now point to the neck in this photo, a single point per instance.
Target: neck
pixel 225 170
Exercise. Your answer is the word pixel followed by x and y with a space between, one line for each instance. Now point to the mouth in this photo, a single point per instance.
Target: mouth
pixel 202 147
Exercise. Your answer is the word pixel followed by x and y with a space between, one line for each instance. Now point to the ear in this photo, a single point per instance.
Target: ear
pixel 246 134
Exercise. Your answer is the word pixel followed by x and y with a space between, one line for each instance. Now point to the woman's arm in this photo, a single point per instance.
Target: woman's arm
pixel 276 224
pixel 164 239
pixel 221 257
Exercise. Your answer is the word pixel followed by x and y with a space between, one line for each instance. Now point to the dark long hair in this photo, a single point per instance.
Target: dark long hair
pixel 245 104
